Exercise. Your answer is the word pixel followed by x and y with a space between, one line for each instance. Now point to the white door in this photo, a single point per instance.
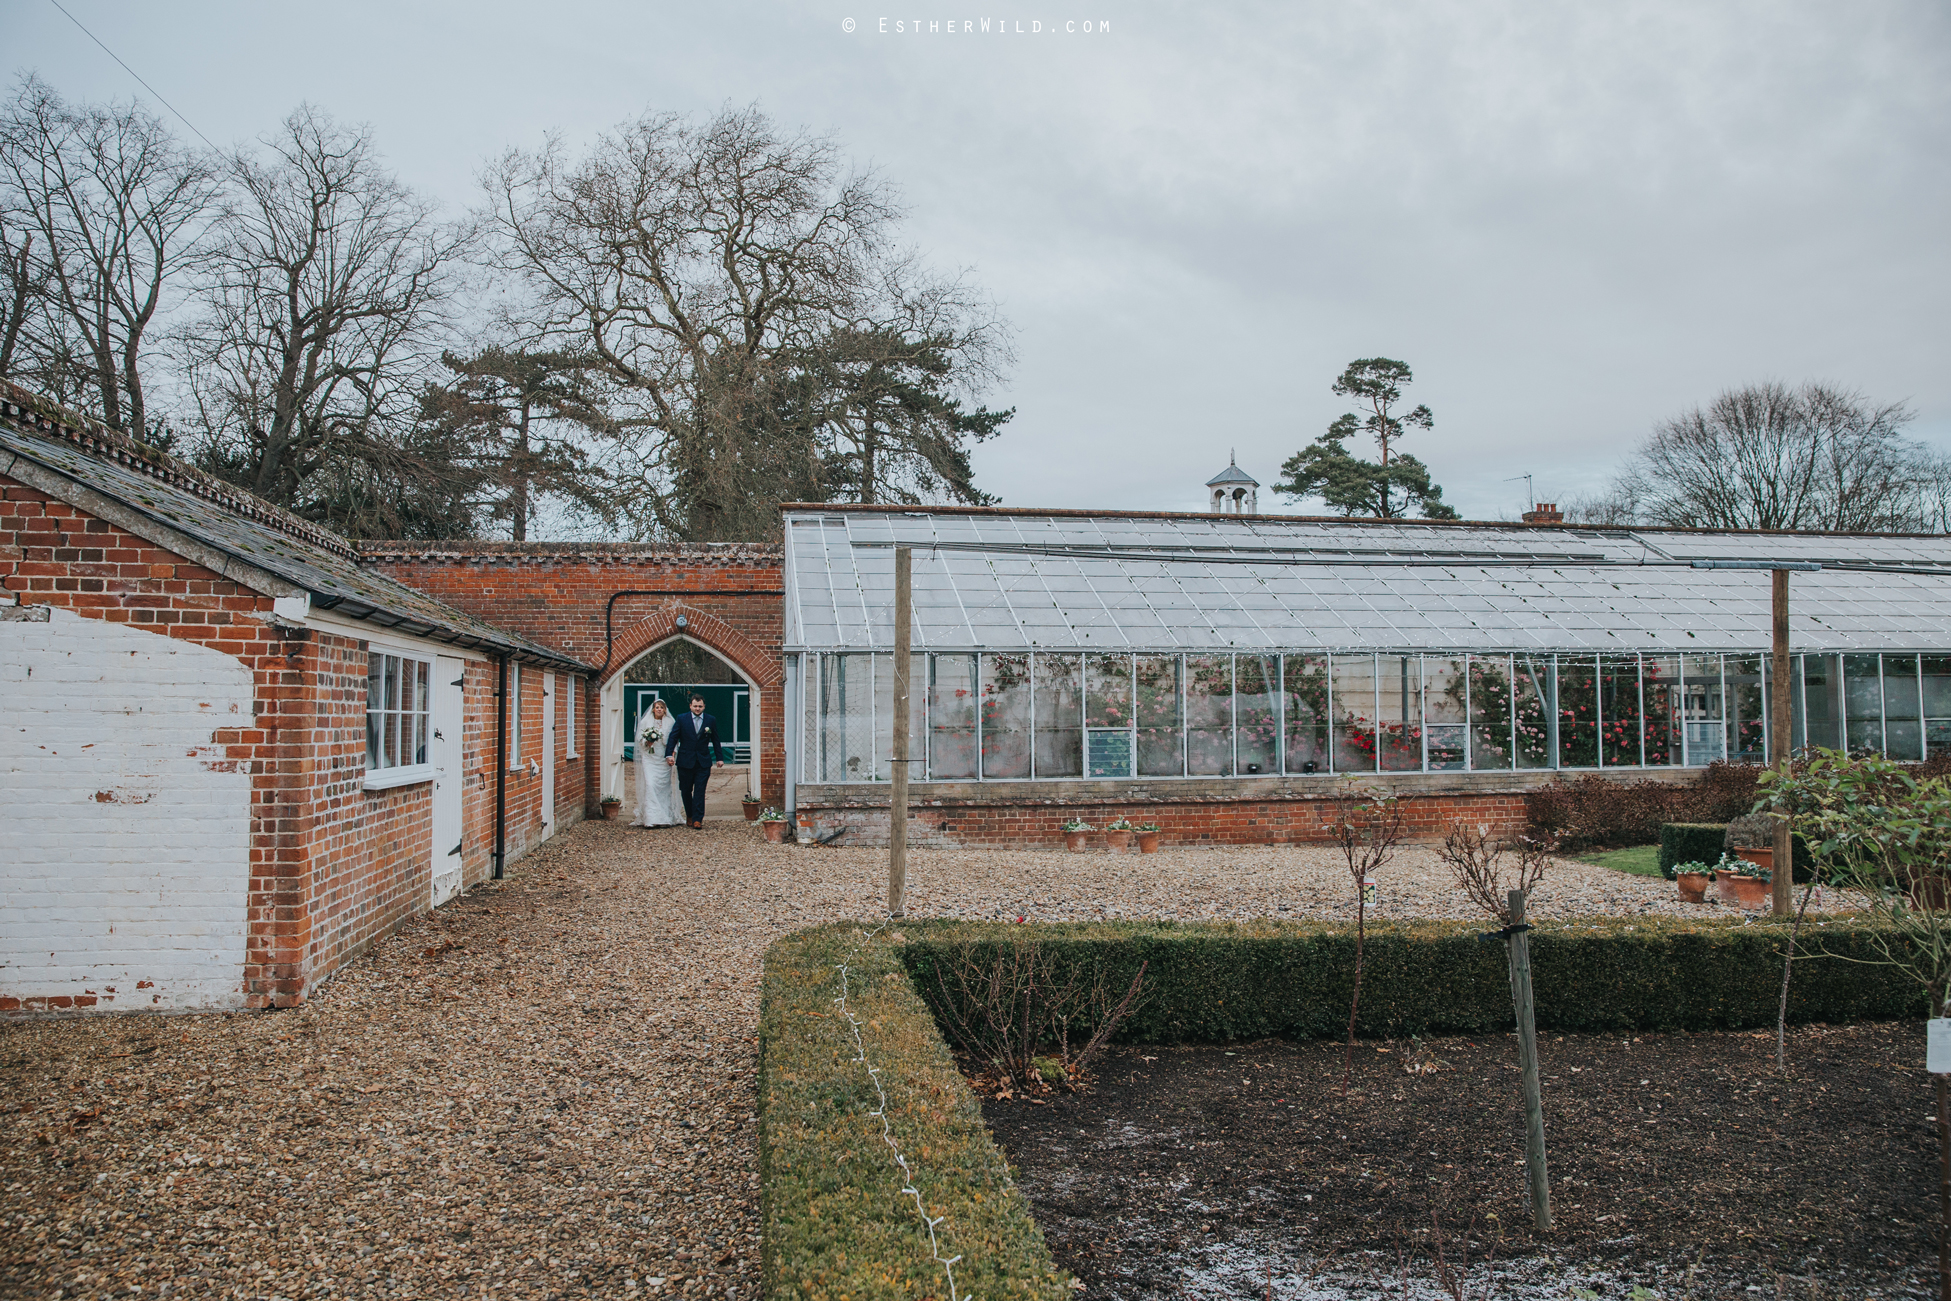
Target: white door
pixel 548 754
pixel 446 758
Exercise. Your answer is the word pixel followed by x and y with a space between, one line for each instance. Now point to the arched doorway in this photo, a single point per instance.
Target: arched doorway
pixel 671 670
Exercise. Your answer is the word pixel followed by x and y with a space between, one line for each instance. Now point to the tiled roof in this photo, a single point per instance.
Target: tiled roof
pixel 240 525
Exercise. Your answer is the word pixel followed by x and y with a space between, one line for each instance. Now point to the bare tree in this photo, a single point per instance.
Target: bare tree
pixel 1773 457
pixel 1368 831
pixel 321 311
pixel 102 210
pixel 710 268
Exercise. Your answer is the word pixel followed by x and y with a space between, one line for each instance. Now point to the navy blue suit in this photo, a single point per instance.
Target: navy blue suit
pixel 694 741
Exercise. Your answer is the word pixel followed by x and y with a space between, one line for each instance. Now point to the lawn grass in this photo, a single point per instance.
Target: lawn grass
pixel 1640 860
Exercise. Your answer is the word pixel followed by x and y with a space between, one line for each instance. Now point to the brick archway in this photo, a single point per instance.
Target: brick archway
pixel 713 633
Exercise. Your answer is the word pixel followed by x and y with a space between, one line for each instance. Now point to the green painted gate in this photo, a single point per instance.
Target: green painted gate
pixel 729 703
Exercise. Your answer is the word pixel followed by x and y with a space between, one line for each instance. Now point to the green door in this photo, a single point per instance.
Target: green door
pixel 730 704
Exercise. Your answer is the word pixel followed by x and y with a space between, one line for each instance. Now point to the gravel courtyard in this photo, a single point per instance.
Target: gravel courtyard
pixel 544 1089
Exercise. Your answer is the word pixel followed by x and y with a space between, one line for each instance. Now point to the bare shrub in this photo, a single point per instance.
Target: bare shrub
pixel 1013 1006
pixel 1368 831
pixel 1476 860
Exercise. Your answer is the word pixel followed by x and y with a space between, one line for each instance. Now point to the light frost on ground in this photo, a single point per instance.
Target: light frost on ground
pixel 545 1088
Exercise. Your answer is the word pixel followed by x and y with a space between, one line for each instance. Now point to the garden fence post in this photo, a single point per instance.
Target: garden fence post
pixel 897 814
pixel 1527 1056
pixel 1781 720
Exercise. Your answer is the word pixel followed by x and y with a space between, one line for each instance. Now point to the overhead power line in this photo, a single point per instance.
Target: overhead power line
pixel 133 73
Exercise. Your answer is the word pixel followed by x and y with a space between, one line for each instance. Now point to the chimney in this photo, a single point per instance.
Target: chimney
pixel 1544 512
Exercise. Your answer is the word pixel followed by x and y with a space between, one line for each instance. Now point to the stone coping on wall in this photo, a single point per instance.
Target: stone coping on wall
pixel 1196 790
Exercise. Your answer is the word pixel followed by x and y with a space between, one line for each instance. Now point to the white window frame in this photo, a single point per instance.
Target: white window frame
pixel 514 717
pixel 380 776
pixel 571 707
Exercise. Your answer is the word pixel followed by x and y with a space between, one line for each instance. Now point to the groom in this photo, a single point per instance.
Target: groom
pixel 694 740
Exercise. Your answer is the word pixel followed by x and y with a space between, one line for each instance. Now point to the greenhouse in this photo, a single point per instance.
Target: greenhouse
pixel 1102 648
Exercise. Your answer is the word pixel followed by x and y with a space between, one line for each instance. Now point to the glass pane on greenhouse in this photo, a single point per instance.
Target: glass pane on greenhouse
pixel 1256 716
pixel 1822 702
pixel 1108 715
pixel 1059 716
pixel 1400 693
pixel 1445 712
pixel 1863 703
pixel 1535 709
pixel 1701 712
pixel 1161 738
pixel 1304 688
pixel 846 735
pixel 1659 677
pixel 1619 712
pixel 1209 715
pixel 1903 725
pixel 1747 737
pixel 1354 704
pixel 1490 712
pixel 1937 703
pixel 1005 716
pixel 1578 710
pixel 952 717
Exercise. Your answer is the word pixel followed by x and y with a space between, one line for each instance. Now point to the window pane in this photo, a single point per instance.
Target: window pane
pixel 1903 728
pixel 1444 690
pixel 1578 710
pixel 1209 715
pixel 375 701
pixel 1255 714
pixel 1937 702
pixel 389 739
pixel 884 714
pixel 1822 702
pixel 1107 690
pixel 1304 683
pixel 420 692
pixel 1862 703
pixel 1490 712
pixel 847 718
pixel 1619 721
pixel 1059 716
pixel 1005 715
pixel 1401 721
pixel 1537 710
pixel 1354 703
pixel 1747 739
pixel 1660 683
pixel 419 738
pixel 951 717
pixel 1161 740
pixel 392 682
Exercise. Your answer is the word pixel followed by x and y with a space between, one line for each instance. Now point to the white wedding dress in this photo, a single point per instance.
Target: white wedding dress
pixel 656 780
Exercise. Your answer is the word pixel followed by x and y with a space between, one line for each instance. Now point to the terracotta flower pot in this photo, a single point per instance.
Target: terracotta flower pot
pixel 775 832
pixel 752 809
pixel 1117 841
pixel 1759 857
pixel 610 811
pixel 1745 891
pixel 1148 842
pixel 1077 841
pixel 1693 886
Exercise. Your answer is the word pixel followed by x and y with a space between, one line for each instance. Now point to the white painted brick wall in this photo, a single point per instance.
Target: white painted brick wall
pixel 124 846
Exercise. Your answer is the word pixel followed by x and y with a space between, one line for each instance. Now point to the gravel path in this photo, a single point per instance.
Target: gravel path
pixel 546 1088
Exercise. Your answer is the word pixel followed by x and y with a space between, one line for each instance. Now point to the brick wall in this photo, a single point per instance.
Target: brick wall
pixel 557 593
pixel 327 866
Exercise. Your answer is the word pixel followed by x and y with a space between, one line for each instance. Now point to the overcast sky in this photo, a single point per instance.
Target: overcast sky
pixel 1571 220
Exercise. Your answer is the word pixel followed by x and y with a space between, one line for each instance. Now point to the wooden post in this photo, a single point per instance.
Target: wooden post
pixel 1943 1188
pixel 1527 1057
pixel 1780 710
pixel 897 814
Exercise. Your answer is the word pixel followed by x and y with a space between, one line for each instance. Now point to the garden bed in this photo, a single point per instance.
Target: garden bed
pixel 1238 1169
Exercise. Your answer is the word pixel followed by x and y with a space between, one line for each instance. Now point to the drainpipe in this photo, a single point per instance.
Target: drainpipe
pixel 501 768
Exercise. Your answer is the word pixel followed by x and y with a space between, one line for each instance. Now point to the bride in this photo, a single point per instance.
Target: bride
pixel 656 780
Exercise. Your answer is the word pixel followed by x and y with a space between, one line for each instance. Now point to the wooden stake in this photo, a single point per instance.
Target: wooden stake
pixel 1781 721
pixel 897 826
pixel 1943 1188
pixel 1527 1057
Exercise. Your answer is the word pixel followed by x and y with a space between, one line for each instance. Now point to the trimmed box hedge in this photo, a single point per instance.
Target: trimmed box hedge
pixel 835 1223
pixel 1218 982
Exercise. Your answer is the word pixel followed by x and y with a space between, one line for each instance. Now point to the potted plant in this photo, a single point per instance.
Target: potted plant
pixel 1117 836
pixel 1148 838
pixel 751 806
pixel 1077 835
pixel 611 806
pixel 1742 883
pixel 1692 879
pixel 774 823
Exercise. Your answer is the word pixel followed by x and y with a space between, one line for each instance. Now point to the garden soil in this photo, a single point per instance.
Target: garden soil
pixel 1681 1164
